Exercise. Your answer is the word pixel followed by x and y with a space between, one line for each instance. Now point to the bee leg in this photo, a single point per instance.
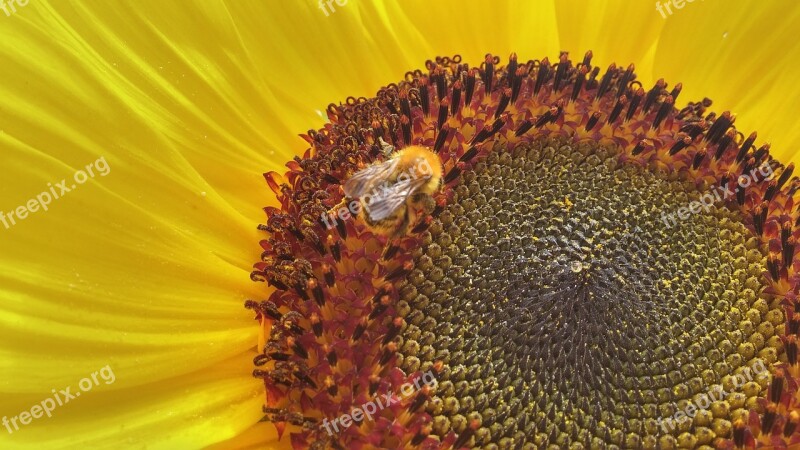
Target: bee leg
pixel 392 247
pixel 402 228
pixel 331 218
pixel 425 201
pixel 334 210
pixel 426 204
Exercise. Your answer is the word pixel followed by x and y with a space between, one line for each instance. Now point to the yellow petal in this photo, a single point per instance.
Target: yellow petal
pixel 143 268
pixel 617 31
pixel 260 436
pixel 744 59
pixel 189 411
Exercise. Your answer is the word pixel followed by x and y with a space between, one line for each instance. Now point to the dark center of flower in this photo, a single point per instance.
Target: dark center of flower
pixel 569 309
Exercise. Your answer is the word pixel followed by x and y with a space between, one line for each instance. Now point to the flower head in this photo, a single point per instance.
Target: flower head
pixel 599 260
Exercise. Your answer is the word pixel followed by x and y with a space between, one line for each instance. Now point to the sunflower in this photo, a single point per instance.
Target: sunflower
pixel 149 126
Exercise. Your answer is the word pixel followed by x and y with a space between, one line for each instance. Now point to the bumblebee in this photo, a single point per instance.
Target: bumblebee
pixel 393 192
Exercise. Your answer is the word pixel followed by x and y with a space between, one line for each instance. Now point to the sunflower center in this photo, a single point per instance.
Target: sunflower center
pixel 572 309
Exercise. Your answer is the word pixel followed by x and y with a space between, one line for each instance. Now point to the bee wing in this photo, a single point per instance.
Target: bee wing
pixel 365 180
pixel 393 197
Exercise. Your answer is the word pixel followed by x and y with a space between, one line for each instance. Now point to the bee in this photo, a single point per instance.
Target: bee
pixel 393 192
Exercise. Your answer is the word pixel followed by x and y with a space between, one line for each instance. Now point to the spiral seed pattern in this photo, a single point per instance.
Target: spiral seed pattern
pixel 570 315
